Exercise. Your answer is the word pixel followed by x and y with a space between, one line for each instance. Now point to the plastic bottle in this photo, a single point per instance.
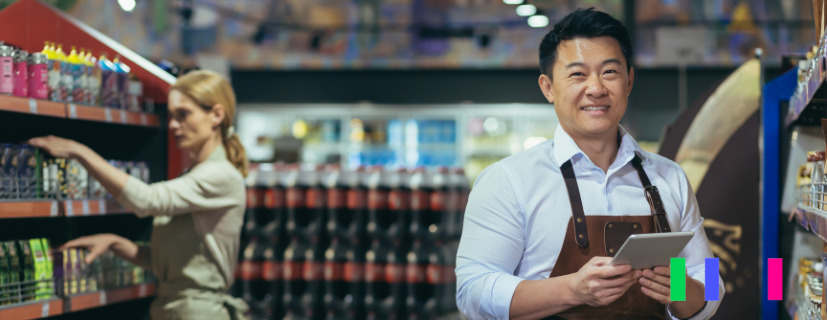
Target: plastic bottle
pixel 379 218
pixel 93 80
pixel 253 287
pixel 21 74
pixel 384 280
pixel 53 74
pixel 67 82
pixel 109 83
pixel 77 70
pixel 312 222
pixel 423 274
pixel 122 73
pixel 420 204
pixel 292 275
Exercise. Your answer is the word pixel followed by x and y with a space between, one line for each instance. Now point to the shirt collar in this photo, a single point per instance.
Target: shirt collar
pixel 217 155
pixel 566 149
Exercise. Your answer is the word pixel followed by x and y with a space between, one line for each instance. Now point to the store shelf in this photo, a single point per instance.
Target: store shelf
pixel 105 297
pixel 110 115
pixel 32 106
pixel 29 209
pixel 33 310
pixel 75 208
pixel 809 101
pixel 811 219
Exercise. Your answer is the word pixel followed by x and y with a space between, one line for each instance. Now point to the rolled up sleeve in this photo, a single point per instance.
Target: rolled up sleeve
pixel 698 249
pixel 491 247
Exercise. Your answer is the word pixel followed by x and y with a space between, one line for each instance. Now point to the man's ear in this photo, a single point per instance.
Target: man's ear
pixel 545 86
pixel 631 80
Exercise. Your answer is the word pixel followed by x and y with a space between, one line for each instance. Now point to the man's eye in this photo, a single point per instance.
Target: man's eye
pixel 576 74
pixel 611 71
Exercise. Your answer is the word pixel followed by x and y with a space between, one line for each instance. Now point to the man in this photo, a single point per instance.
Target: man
pixel 541 225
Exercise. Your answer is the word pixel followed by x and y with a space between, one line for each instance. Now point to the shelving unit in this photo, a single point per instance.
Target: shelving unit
pixel 113 133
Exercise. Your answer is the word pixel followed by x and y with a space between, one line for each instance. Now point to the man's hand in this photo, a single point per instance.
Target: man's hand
pixel 598 283
pixel 656 283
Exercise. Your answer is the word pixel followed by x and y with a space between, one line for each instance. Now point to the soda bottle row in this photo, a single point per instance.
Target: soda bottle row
pixel 375 202
pixel 25 271
pixel 347 279
pixel 28 173
pixel 73 275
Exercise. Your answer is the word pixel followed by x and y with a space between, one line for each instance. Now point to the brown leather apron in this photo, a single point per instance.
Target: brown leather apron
pixel 588 237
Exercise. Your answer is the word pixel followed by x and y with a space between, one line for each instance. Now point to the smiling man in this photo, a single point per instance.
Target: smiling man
pixel 541 225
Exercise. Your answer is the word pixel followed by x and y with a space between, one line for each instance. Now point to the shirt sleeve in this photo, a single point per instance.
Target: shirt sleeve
pixel 491 247
pixel 698 249
pixel 208 186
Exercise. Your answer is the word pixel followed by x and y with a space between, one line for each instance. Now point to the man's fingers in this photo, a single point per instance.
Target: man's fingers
pixel 609 271
pixel 654 286
pixel 664 299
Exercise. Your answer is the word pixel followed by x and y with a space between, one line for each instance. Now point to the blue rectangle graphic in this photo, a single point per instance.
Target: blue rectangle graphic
pixel 711 284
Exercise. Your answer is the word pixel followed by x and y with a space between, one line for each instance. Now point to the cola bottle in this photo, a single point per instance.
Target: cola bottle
pixel 293 278
pixel 353 222
pixel 420 205
pixel 461 186
pixel 312 222
pixel 384 280
pixel 295 199
pixel 378 217
pixel 273 200
pixel 253 287
pixel 449 277
pixel 424 276
pixel 438 200
pixel 336 196
pixel 272 274
pixel 399 205
pixel 312 274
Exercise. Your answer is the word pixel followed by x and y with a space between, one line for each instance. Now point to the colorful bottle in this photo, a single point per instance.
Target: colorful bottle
pixel 78 75
pixel 38 76
pixel 122 71
pixel 6 70
pixel 21 74
pixel 93 79
pixel 53 74
pixel 109 82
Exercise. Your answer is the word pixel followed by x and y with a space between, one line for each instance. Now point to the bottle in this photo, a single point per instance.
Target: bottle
pixel 311 223
pixel 336 287
pixel 109 83
pixel 384 280
pixel 312 274
pixel 399 205
pixel 354 220
pixel 336 194
pixel 6 70
pixel 424 273
pixel 379 219
pixel 420 204
pixel 78 74
pixel 21 74
pixel 122 74
pixel 93 80
pixel 461 187
pixel 295 195
pixel 438 200
pixel 67 81
pixel 293 277
pixel 817 180
pixel 38 85
pixel 54 74
pixel 271 274
pixel 253 287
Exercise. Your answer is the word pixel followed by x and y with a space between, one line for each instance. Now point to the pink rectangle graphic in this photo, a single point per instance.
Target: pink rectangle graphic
pixel 774 279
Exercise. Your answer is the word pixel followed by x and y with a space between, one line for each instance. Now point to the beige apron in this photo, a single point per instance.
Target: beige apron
pixel 190 282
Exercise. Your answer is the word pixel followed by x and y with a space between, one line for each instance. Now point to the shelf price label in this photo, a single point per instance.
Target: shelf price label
pixel 102 206
pixel 103 298
pixel 73 111
pixel 142 291
pixel 86 210
pixel 53 210
pixel 33 106
pixel 144 120
pixel 108 113
pixel 70 210
pixel 44 310
pixel 123 117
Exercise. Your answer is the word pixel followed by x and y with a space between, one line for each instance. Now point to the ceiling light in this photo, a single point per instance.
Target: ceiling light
pixel 513 1
pixel 526 10
pixel 127 5
pixel 538 21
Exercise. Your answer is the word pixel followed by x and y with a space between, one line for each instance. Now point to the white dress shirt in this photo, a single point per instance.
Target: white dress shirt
pixel 519 208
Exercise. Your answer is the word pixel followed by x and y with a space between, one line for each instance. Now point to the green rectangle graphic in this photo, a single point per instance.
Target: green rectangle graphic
pixel 677 289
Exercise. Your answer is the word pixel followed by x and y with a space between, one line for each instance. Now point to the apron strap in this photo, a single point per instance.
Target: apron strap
pixel 653 196
pixel 581 234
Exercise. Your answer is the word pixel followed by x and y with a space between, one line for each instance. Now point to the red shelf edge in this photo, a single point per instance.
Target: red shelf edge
pixel 29 209
pixel 110 115
pixel 76 208
pixel 32 106
pixel 33 310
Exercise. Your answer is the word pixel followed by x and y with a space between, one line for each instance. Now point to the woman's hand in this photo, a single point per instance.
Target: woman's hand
pixel 95 244
pixel 57 146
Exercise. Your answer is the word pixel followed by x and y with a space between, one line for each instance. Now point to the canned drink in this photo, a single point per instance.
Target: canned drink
pixel 27 172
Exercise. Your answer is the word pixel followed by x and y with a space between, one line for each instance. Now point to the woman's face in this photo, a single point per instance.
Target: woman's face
pixel 191 125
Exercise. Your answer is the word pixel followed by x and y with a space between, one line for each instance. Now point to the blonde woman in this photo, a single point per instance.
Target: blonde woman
pixel 197 217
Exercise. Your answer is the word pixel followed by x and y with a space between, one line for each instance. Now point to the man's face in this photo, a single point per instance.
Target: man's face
pixel 590 86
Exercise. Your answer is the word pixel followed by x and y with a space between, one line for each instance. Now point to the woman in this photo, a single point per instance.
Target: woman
pixel 197 217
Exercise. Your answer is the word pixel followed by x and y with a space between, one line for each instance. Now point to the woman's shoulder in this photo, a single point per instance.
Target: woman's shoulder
pixel 218 171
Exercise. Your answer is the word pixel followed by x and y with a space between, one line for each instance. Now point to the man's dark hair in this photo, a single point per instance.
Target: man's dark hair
pixel 583 23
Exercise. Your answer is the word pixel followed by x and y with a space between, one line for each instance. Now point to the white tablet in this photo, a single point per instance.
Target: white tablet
pixel 648 250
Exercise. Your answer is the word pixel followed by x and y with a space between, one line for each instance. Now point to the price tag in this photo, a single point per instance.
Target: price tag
pixel 70 210
pixel 144 120
pixel 103 298
pixel 73 111
pixel 142 291
pixel 102 206
pixel 53 212
pixel 86 210
pixel 108 113
pixel 123 117
pixel 44 310
pixel 32 105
